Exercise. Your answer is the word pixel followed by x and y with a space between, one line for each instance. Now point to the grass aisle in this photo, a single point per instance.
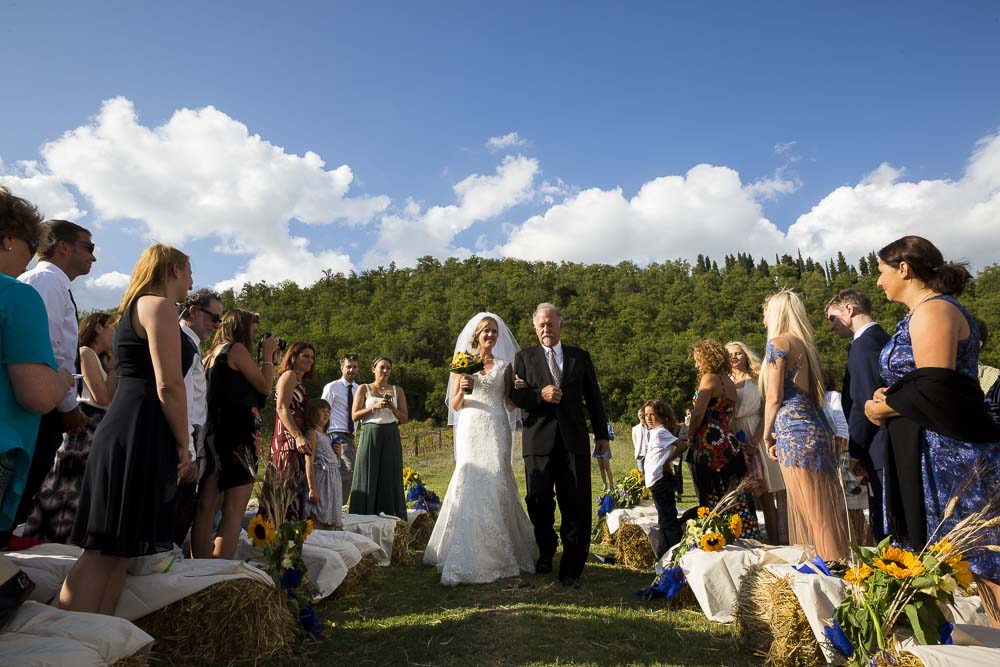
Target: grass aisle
pixel 407 617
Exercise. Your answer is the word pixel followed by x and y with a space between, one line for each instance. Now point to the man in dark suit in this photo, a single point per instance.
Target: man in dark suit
pixel 552 383
pixel 849 314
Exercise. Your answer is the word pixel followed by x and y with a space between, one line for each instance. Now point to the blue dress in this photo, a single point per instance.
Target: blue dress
pixel 945 461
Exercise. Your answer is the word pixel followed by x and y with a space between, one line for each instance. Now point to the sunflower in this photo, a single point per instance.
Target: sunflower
pixel 941 548
pixel 736 525
pixel 858 574
pixel 703 512
pixel 308 529
pixel 713 542
pixel 962 574
pixel 899 563
pixel 261 531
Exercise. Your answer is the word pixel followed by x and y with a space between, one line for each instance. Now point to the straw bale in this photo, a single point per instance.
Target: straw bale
pixel 632 547
pixel 685 599
pixel 769 621
pixel 420 531
pixel 233 622
pixel 138 659
pixel 401 544
pixel 358 577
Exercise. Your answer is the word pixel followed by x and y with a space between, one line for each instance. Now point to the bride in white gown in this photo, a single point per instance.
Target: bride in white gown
pixel 482 533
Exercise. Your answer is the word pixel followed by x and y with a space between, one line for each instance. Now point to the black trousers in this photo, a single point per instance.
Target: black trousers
pixel 875 515
pixel 666 511
pixel 50 437
pixel 564 476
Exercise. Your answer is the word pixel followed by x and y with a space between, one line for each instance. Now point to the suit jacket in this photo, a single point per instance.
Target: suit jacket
pixel 863 376
pixel 543 421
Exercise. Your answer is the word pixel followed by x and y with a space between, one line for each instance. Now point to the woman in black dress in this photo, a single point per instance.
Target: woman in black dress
pixel 141 447
pixel 237 389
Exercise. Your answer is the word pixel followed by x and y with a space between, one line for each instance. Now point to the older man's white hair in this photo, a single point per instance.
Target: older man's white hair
pixel 547 306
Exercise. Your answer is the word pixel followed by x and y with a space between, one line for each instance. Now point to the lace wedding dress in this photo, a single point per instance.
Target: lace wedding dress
pixel 482 533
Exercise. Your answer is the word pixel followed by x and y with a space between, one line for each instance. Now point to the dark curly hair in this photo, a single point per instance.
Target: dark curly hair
pixel 21 220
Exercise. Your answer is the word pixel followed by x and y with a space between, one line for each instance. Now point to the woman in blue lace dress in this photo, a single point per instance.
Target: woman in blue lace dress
pixel 797 434
pixel 938 338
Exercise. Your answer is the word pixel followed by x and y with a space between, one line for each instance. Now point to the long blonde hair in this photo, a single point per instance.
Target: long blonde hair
pixel 753 361
pixel 787 315
pixel 151 272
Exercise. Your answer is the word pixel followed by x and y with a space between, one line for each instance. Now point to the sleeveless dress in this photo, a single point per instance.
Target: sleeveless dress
pixel 482 533
pixel 378 464
pixel 326 471
pixel 747 418
pixel 233 428
pixel 54 509
pixel 817 515
pixel 719 463
pixel 286 458
pixel 945 461
pixel 127 498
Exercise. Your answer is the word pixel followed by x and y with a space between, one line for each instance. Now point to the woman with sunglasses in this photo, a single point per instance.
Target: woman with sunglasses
pixel 31 384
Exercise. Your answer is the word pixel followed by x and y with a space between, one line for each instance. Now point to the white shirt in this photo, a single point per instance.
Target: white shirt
pixel 53 285
pixel 335 393
pixel 835 414
pixel 559 355
pixel 857 334
pixel 197 392
pixel 639 432
pixel 659 446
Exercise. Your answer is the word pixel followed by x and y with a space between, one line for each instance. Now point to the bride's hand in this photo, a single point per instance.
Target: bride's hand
pixel 519 383
pixel 467 382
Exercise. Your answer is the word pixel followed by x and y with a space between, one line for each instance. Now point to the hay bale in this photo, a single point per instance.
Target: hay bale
pixel 358 577
pixel 420 531
pixel 606 538
pixel 769 621
pixel 232 622
pixel 684 600
pixel 138 659
pixel 401 544
pixel 632 547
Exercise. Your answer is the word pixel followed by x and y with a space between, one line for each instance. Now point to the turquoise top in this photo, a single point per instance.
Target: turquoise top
pixel 24 339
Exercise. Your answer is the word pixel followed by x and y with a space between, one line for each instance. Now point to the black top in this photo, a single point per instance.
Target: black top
pixel 228 388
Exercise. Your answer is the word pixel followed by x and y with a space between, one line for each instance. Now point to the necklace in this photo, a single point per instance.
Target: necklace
pixel 928 294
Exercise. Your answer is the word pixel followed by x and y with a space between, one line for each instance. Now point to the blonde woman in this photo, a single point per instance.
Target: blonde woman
pixel 140 450
pixel 797 434
pixel 749 418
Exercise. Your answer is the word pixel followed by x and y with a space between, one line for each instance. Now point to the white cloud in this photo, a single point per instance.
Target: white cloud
pixel 783 147
pixel 43 190
pixel 510 140
pixel 100 292
pixel 409 234
pixel 202 174
pixel 110 280
pixel 773 186
pixel 708 210
pixel 962 217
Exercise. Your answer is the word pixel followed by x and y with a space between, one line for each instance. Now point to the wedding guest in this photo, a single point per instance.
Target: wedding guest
pixel 770 494
pixel 855 489
pixel 140 452
pixel 604 464
pixel 323 499
pixel 988 375
pixel 340 395
pixel 684 435
pixel 289 444
pixel 931 368
pixel 378 473
pixel 66 254
pixel 31 383
pixel 720 460
pixel 54 506
pixel 662 449
pixel 237 390
pixel 849 315
pixel 639 439
pixel 796 431
pixel 201 315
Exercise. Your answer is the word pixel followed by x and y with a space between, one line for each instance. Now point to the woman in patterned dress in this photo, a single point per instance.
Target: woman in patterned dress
pixel 718 454
pixel 937 336
pixel 289 444
pixel 797 433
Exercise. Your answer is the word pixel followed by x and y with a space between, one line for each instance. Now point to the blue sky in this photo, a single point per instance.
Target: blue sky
pixel 822 126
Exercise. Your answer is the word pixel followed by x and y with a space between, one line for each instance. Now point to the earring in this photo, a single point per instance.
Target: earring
pixel 10 248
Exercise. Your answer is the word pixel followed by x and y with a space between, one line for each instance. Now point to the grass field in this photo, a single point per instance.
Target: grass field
pixel 407 618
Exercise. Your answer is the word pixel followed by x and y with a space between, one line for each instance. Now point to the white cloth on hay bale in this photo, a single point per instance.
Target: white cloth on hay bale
pixel 352 547
pixel 714 576
pixel 381 529
pixel 48 565
pixel 819 595
pixel 642 515
pixel 37 634
pixel 325 566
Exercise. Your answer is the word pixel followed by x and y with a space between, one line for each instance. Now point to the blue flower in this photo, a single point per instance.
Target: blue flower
pixel 741 436
pixel 310 620
pixel 607 504
pixel 839 640
pixel 945 637
pixel 415 492
pixel 291 578
pixel 816 563
pixel 667 586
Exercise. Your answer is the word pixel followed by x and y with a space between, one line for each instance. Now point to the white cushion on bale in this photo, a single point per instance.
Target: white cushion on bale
pixel 381 529
pixel 325 566
pixel 352 547
pixel 37 634
pixel 642 515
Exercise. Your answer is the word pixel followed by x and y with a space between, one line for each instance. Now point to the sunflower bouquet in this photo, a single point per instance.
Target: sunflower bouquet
pixel 417 495
pixel 626 493
pixel 282 549
pixel 466 363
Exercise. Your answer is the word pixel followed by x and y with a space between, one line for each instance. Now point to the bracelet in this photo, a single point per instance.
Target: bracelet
pixel 265 363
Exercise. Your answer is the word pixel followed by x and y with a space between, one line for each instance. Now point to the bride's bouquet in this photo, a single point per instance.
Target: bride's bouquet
pixel 465 363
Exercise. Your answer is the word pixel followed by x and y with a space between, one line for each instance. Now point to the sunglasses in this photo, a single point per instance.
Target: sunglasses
pixel 216 319
pixel 85 244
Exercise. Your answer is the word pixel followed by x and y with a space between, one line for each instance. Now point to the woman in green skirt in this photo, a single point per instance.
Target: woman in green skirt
pixel 378 470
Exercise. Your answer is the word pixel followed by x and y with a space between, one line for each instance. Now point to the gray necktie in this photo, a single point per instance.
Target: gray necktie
pixel 553 367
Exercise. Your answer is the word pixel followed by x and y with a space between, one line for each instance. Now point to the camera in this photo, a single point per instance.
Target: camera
pixel 282 343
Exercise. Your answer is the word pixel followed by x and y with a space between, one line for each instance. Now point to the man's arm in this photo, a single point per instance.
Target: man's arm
pixel 62 335
pixel 527 398
pixel 592 397
pixel 865 379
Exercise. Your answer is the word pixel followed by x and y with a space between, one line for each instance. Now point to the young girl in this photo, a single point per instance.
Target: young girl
pixel 604 463
pixel 323 499
pixel 662 448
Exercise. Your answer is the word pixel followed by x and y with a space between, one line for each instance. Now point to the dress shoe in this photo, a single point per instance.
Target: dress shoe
pixel 543 566
pixel 570 582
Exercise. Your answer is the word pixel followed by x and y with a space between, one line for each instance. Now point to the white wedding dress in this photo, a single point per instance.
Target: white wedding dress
pixel 482 533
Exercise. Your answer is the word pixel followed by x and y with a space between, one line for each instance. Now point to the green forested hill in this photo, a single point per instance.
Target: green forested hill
pixel 637 322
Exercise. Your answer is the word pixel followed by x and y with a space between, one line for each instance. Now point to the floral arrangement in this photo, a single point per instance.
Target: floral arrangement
pixel 466 363
pixel 626 493
pixel 417 495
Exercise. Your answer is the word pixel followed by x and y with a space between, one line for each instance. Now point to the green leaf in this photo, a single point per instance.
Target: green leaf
pixel 913 617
